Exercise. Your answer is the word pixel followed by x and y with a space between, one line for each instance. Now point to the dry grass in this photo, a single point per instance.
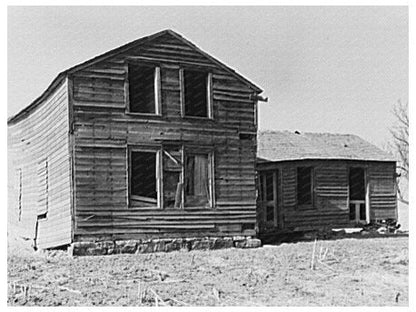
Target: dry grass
pixel 346 272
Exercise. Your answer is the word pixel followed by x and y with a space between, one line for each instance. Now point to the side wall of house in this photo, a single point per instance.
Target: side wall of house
pixel 331 193
pixel 39 173
pixel 383 192
pixel 103 132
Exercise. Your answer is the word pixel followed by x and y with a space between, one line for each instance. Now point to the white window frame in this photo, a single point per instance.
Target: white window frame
pixel 158 175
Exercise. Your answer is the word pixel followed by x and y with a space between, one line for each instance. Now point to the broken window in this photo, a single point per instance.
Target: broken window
pixel 157 178
pixel 143 180
pixel 197 180
pixel 304 185
pixel 196 97
pixel 172 178
pixel 144 86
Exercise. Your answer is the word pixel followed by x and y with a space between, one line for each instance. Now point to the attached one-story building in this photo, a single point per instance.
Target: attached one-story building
pixel 154 139
pixel 311 181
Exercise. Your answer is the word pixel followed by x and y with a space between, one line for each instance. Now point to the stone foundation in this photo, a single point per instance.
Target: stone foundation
pixel 160 245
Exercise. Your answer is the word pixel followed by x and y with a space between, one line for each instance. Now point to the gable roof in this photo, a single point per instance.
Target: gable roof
pixel 284 145
pixel 62 75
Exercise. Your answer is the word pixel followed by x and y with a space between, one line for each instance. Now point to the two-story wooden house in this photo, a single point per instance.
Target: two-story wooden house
pixel 154 139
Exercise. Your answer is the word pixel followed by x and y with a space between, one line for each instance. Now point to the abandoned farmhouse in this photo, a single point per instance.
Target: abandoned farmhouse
pixel 157 140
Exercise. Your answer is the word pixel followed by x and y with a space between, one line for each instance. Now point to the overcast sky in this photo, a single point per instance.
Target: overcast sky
pixel 324 69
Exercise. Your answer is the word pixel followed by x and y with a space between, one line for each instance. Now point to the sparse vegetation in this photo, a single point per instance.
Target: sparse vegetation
pixel 345 272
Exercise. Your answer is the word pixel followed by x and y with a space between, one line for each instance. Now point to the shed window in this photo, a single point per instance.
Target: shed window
pixel 196 93
pixel 197 181
pixel 304 185
pixel 143 182
pixel 144 89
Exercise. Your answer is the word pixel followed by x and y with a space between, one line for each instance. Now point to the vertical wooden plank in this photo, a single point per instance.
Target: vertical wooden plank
pixel 367 196
pixel 159 178
pixel 183 176
pixel 275 199
pixel 212 178
pixel 126 87
pixel 71 152
pixel 209 97
pixel 182 92
pixel 280 202
pixel 158 92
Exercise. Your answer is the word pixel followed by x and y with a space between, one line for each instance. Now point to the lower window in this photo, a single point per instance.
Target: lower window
pixel 304 186
pixel 170 178
pixel 197 190
pixel 143 184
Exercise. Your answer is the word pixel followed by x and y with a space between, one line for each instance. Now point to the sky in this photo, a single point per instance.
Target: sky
pixel 324 69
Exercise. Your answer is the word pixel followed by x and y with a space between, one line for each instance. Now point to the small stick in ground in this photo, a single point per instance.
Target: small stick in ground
pixel 216 293
pixel 178 301
pixel 157 298
pixel 313 255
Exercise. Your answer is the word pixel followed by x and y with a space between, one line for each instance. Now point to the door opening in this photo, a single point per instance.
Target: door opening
pixel 268 197
pixel 357 198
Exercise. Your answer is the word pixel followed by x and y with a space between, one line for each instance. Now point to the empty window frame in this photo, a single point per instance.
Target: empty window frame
pixel 198 180
pixel 196 89
pixel 144 189
pixel 144 89
pixel 304 186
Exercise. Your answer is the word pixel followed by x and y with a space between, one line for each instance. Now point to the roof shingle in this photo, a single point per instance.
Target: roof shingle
pixel 285 145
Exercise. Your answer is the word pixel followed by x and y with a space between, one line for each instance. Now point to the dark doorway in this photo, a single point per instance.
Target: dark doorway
pixel 357 189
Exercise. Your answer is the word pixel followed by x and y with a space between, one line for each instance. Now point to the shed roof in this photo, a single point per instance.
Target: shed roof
pixel 284 145
pixel 62 75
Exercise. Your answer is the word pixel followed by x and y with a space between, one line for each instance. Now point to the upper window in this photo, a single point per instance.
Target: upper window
pixel 304 185
pixel 196 93
pixel 144 86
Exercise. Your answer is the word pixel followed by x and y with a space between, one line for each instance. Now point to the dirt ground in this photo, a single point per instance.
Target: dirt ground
pixel 344 272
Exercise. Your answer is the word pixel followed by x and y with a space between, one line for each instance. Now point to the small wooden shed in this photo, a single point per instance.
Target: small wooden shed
pixel 310 181
pixel 153 139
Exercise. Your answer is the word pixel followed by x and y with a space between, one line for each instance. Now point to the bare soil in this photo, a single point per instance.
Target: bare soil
pixel 344 272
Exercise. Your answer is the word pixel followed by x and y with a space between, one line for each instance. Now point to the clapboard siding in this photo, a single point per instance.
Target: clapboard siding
pixel 331 192
pixel 39 149
pixel 103 131
pixel 383 198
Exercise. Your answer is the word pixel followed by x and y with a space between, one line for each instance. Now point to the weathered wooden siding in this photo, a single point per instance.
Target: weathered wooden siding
pixel 331 192
pixel 103 131
pixel 383 197
pixel 39 152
